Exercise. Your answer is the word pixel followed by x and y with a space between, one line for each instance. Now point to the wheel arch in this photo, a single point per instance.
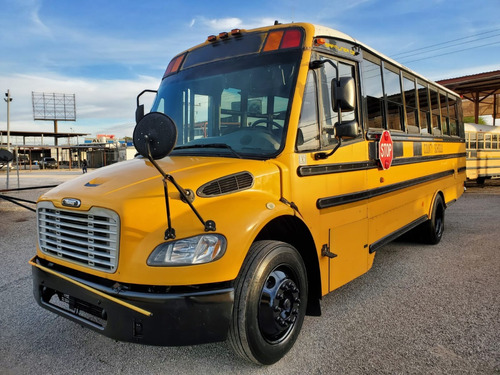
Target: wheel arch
pixel 293 231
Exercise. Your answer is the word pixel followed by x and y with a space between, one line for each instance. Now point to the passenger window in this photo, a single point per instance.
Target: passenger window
pixel 494 141
pixel 423 102
pixel 372 81
pixel 444 113
pixel 435 114
pixel 411 105
pixel 452 105
pixel 392 88
pixel 308 134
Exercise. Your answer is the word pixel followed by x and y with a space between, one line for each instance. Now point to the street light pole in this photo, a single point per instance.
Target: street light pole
pixel 8 99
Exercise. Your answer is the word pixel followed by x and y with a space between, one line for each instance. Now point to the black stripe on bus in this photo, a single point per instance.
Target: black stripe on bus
pixel 338 200
pixel 391 237
pixel 317 170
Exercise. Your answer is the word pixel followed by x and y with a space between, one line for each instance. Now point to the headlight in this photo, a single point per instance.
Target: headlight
pixel 195 250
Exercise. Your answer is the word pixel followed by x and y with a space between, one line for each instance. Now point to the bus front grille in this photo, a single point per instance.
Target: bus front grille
pixel 88 238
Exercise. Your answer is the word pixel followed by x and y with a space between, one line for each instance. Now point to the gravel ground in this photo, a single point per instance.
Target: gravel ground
pixel 419 310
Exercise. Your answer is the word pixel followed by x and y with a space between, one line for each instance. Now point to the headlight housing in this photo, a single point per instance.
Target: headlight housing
pixel 200 249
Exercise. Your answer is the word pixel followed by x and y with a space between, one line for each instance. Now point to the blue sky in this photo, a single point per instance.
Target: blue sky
pixel 106 52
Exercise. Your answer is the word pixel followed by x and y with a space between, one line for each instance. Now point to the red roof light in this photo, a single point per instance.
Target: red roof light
pixel 291 39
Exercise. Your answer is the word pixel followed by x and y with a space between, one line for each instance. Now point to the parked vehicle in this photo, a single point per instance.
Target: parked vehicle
pixel 48 163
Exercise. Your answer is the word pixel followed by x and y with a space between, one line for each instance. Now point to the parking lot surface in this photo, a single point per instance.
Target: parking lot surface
pixel 420 310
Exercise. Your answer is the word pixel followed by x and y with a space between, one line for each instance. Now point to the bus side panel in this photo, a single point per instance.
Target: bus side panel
pixel 349 243
pixel 411 188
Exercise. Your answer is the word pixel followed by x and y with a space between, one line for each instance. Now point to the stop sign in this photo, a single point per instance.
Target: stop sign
pixel 385 150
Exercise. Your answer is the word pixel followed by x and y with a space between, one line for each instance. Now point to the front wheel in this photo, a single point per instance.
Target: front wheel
pixel 269 303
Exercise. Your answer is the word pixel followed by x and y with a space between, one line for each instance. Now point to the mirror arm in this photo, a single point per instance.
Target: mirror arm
pixel 187 197
pixel 324 155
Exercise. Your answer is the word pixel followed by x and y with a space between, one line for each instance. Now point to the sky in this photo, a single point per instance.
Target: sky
pixel 106 52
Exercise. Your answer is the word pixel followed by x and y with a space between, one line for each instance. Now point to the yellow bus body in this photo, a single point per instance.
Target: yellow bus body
pixel 336 211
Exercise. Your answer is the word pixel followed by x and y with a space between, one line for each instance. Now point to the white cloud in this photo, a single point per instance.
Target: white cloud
pixel 100 104
pixel 221 24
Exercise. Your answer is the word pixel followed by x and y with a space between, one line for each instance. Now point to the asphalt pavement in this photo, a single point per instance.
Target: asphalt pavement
pixel 420 310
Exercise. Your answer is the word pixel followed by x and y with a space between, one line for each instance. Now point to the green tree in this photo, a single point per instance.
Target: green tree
pixel 473 121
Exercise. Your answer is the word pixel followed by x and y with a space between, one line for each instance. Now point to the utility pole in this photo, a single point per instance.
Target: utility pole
pixel 8 99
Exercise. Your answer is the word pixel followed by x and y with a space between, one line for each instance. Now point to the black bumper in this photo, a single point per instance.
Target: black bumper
pixel 176 318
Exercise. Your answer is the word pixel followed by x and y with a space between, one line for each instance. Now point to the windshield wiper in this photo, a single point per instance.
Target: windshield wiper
pixel 210 145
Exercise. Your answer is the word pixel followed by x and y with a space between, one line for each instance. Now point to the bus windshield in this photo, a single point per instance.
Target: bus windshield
pixel 238 107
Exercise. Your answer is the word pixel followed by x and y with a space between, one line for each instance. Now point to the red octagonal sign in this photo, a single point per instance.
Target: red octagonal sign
pixel 385 150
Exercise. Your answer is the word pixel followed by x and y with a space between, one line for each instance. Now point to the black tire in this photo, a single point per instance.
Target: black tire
pixel 432 230
pixel 269 303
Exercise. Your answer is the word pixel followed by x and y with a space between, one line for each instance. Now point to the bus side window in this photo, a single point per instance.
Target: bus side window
pixel 435 113
pixel 452 105
pixel 308 132
pixel 372 82
pixel 392 86
pixel 329 117
pixel 423 103
pixel 445 119
pixel 411 105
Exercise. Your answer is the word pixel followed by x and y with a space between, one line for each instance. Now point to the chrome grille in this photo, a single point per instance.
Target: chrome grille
pixel 89 238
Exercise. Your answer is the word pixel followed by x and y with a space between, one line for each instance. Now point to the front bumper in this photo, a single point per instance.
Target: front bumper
pixel 168 319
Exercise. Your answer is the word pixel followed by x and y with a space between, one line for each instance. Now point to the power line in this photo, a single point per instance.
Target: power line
pixel 451 52
pixel 449 41
pixel 449 46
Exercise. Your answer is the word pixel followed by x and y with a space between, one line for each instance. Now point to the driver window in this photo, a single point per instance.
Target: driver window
pixel 329 117
pixel 308 134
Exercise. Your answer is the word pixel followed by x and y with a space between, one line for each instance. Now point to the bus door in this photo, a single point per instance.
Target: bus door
pixel 331 181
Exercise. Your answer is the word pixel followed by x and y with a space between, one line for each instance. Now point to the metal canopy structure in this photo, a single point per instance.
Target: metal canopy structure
pixel 480 91
pixel 38 134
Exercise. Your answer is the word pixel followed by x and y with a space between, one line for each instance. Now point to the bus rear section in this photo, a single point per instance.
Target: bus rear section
pixel 483 152
pixel 272 166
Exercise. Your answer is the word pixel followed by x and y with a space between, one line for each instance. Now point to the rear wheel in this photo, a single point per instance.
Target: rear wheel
pixel 270 302
pixel 431 231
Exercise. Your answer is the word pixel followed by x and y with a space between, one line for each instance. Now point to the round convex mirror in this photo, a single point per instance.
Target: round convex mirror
pixel 6 156
pixel 158 131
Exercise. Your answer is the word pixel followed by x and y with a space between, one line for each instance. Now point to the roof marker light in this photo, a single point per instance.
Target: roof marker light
pixel 273 40
pixel 174 65
pixel 281 39
pixel 235 32
pixel 319 42
pixel 223 35
pixel 211 38
pixel 291 39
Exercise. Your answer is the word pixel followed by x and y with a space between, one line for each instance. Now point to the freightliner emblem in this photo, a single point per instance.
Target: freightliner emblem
pixel 71 202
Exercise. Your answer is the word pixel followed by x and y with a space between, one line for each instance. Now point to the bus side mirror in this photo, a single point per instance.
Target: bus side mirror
pixel 139 113
pixel 155 135
pixel 343 94
pixel 348 129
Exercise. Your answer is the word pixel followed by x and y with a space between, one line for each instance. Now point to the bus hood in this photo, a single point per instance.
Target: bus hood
pixel 116 185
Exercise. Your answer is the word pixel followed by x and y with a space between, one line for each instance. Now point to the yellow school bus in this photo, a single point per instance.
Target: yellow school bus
pixel 483 152
pixel 273 164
